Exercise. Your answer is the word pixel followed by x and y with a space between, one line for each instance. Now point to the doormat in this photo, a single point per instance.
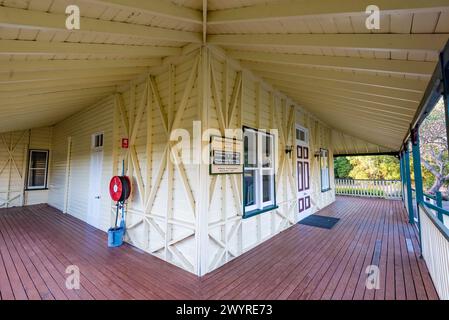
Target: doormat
pixel 315 220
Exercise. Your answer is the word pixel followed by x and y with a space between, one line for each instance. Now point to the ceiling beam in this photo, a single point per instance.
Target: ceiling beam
pixel 374 127
pixel 353 96
pixel 378 81
pixel 56 96
pixel 24 110
pixel 370 41
pixel 300 9
pixel 27 19
pixel 51 48
pixel 350 87
pixel 44 115
pixel 386 66
pixel 62 74
pixel 375 121
pixel 62 88
pixel 388 118
pixel 55 84
pixel 403 114
pixel 157 8
pixel 39 65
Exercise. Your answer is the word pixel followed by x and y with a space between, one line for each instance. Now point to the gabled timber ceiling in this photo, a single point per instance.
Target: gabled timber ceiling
pixel 364 83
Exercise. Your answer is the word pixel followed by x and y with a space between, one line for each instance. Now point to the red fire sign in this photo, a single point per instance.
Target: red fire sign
pixel 125 143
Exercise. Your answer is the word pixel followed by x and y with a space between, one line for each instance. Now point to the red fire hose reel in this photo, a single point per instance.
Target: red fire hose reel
pixel 120 188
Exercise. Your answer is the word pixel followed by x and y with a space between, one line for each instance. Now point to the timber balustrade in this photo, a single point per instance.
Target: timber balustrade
pixel 388 189
pixel 435 245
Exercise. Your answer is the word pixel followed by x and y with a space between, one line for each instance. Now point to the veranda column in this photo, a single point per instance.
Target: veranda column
pixel 408 184
pixel 203 198
pixel 418 175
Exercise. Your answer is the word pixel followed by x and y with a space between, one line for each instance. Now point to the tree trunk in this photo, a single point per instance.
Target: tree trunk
pixel 436 185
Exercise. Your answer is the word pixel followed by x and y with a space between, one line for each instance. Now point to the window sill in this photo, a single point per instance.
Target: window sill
pixel 326 190
pixel 253 213
pixel 36 189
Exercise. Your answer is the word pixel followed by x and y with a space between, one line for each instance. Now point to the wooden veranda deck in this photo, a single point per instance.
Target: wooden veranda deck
pixel 37 244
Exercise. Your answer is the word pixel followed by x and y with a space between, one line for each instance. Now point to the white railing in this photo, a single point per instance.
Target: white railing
pixel 388 189
pixel 435 250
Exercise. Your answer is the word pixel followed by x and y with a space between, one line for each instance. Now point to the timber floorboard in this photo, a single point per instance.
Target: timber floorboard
pixel 38 243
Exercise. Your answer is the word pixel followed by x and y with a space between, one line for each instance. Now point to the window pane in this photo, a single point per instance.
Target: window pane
pixel 37 178
pixel 249 197
pixel 324 166
pixel 299 171
pixel 267 151
pixel 38 159
pixel 306 176
pixel 267 181
pixel 250 148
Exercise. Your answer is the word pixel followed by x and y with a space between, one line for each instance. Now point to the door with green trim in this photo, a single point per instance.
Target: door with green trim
pixel 302 155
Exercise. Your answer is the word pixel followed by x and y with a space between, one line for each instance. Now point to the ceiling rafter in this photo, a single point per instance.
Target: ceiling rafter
pixel 358 41
pixel 73 64
pixel 352 87
pixel 386 66
pixel 300 9
pixel 51 48
pixel 381 81
pixel 28 19
pixel 157 8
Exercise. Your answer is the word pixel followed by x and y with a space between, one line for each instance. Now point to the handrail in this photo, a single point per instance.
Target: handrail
pixel 430 196
pixel 438 223
pixel 395 180
pixel 434 238
pixel 389 189
pixel 440 211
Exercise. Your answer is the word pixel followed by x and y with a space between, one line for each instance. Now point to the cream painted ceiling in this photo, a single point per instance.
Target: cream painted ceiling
pixel 366 84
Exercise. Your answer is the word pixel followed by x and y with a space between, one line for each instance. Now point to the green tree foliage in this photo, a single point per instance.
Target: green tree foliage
pixel 434 150
pixel 375 167
pixel 342 167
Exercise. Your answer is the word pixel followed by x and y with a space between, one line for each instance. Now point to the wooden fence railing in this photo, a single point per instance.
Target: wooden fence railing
pixel 434 236
pixel 388 189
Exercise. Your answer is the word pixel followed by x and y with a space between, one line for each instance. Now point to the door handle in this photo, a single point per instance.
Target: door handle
pixel 97 197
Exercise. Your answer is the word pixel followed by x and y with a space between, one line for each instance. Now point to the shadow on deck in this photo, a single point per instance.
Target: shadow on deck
pixel 37 244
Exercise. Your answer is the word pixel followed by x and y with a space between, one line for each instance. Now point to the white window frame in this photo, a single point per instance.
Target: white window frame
pixel 306 134
pixel 44 186
pixel 260 171
pixel 93 141
pixel 325 172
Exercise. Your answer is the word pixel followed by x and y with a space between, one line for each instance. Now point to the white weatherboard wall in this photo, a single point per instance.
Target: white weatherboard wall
pixel 162 209
pixel 177 211
pixel 69 183
pixel 14 148
pixel 258 106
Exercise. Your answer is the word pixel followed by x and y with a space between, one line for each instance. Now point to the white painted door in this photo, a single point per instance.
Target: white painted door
pixel 303 173
pixel 96 165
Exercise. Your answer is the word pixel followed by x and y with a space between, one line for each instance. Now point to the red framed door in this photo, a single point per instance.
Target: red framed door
pixel 303 172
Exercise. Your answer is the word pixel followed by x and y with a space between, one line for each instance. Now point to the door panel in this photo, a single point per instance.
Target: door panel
pixel 94 202
pixel 303 172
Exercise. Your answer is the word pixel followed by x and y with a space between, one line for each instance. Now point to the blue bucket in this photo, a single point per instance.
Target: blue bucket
pixel 115 237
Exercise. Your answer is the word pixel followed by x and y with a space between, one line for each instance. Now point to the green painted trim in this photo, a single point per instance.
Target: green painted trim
pixel 408 182
pixel 269 208
pixel 441 226
pixel 418 178
pixel 253 213
pixel 436 208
